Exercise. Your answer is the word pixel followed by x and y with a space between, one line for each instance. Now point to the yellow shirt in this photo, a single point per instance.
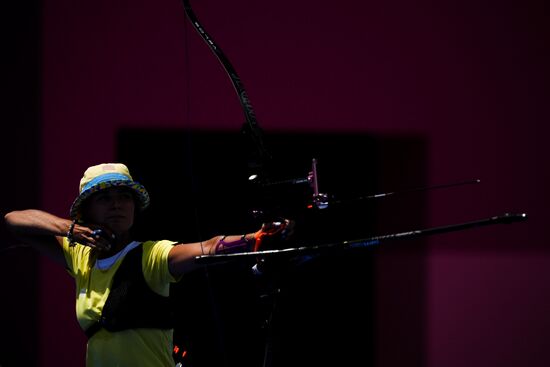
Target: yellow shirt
pixel 128 348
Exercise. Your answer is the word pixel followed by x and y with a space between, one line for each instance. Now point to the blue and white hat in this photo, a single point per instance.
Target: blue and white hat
pixel 104 176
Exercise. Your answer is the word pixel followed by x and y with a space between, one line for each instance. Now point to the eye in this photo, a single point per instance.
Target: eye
pixel 126 195
pixel 102 197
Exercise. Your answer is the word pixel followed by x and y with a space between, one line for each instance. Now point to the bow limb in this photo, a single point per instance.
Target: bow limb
pixel 251 126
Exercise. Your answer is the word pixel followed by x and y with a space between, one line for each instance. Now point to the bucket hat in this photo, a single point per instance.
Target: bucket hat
pixel 104 176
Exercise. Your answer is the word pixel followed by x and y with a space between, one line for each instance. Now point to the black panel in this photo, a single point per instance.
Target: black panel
pixel 20 183
pixel 322 307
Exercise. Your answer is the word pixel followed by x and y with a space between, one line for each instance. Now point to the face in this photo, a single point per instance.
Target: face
pixel 113 207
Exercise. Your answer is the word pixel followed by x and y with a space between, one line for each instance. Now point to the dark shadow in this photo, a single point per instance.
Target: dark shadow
pixel 334 308
pixel 20 183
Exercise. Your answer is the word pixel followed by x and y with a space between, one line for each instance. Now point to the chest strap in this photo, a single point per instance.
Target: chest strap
pixel 131 303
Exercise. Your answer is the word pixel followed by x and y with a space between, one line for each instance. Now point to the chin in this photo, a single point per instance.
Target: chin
pixel 119 228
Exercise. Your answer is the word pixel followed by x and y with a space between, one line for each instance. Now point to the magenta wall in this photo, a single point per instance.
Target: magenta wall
pixel 467 76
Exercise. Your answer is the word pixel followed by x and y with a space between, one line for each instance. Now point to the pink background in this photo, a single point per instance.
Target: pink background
pixel 468 76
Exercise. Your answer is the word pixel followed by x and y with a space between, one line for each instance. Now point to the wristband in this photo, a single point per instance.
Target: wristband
pixel 70 234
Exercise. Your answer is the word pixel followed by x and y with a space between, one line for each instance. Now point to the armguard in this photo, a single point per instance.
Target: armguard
pixel 242 244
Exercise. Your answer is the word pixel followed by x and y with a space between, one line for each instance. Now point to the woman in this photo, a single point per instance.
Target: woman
pixel 122 285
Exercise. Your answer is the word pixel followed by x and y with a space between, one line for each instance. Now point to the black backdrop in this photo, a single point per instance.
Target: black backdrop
pixel 20 148
pixel 321 308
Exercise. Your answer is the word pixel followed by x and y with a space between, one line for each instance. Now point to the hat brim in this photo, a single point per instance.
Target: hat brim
pixel 139 190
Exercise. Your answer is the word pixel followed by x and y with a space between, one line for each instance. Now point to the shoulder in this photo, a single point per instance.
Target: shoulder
pixel 76 257
pixel 155 264
pixel 157 248
pixel 156 254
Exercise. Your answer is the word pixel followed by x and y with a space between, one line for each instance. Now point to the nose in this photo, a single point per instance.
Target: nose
pixel 116 201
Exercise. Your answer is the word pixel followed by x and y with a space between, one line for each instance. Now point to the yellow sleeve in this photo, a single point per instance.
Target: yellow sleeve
pixel 155 266
pixel 76 257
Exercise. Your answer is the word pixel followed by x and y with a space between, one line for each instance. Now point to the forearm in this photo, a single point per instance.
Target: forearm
pixel 181 259
pixel 41 230
pixel 234 243
pixel 33 222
